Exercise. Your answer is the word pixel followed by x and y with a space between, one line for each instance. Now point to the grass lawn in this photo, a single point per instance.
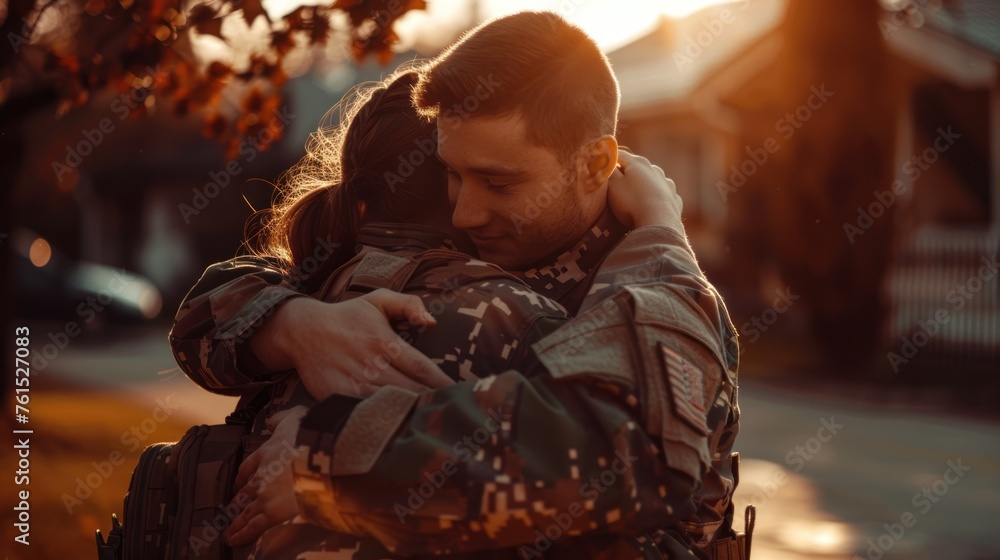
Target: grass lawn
pixel 75 485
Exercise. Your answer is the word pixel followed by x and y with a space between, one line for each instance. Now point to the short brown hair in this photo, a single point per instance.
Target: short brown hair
pixel 545 69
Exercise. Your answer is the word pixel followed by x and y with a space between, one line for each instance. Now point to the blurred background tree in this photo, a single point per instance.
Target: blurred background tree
pixel 59 54
pixel 796 204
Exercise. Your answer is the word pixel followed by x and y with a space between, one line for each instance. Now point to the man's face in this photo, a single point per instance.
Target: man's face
pixel 516 200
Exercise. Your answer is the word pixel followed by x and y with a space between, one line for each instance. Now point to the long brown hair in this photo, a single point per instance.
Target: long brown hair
pixel 377 164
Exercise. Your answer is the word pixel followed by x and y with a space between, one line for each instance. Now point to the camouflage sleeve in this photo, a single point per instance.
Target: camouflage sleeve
pixel 502 462
pixel 658 267
pixel 660 260
pixel 219 314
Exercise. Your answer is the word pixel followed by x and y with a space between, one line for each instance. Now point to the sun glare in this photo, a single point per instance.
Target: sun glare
pixel 683 8
pixel 611 23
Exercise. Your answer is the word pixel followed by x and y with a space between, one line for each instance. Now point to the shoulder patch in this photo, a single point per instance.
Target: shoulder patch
pixel 381 270
pixel 687 390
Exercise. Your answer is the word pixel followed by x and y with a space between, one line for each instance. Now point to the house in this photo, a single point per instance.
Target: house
pixel 943 286
pixel 685 86
pixel 666 116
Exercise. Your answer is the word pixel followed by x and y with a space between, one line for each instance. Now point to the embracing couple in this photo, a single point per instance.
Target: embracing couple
pixel 503 349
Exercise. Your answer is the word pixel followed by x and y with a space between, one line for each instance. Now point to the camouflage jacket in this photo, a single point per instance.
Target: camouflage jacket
pixel 626 427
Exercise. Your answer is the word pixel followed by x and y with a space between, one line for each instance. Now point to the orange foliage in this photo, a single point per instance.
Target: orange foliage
pixel 145 44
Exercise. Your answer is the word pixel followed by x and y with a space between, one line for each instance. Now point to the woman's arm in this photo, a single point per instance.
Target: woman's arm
pixel 230 302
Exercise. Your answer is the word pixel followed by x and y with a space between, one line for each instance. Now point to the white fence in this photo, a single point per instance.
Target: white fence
pixel 944 283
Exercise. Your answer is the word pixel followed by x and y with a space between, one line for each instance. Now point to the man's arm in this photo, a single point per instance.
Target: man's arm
pixel 657 256
pixel 657 264
pixel 244 324
pixel 484 464
pixel 219 315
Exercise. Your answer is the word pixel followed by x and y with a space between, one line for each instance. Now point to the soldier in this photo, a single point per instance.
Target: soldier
pixel 632 416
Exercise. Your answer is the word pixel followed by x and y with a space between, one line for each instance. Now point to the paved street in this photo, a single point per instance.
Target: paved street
pixel 840 493
pixel 831 479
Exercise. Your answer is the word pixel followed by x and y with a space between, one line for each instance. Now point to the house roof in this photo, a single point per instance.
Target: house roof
pixel 976 22
pixel 668 63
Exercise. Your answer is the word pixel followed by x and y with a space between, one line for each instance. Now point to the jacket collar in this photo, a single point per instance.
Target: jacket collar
pixel 560 272
pixel 394 236
pixel 553 276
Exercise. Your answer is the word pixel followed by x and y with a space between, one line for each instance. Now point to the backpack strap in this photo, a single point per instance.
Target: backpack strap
pixel 248 407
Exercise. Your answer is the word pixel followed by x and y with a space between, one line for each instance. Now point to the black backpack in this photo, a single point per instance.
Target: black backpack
pixel 176 507
pixel 177 502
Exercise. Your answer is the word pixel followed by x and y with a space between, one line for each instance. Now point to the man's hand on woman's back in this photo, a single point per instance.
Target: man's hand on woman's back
pixel 348 347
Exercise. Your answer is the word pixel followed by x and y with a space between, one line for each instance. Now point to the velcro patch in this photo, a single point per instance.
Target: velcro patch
pixel 381 270
pixel 687 390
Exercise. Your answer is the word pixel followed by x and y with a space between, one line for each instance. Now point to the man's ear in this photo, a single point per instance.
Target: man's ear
pixel 600 157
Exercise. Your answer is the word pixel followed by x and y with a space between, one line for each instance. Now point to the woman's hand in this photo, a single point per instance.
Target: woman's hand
pixel 266 479
pixel 640 194
pixel 349 347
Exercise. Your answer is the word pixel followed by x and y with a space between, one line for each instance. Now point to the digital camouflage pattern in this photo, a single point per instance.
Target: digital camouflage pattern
pixel 618 425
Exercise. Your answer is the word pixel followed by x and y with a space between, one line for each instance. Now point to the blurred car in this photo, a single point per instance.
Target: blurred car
pixel 50 286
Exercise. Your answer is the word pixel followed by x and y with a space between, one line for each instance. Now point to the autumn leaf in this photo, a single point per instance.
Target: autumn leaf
pixel 94 7
pixel 211 27
pixel 254 101
pixel 218 71
pixel 54 61
pixel 203 18
pixel 233 148
pixel 205 94
pixel 181 107
pixel 320 31
pixel 371 22
pixel 116 44
pixel 346 5
pixel 296 19
pixel 282 42
pixel 215 126
pixel 200 14
pixel 251 10
pixel 358 10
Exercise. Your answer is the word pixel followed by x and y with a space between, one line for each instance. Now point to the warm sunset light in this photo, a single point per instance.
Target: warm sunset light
pixel 611 24
pixel 682 8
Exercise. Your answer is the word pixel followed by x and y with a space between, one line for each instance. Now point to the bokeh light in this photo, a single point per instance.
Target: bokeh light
pixel 40 252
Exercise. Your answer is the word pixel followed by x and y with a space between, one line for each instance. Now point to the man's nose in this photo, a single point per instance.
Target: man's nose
pixel 469 211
